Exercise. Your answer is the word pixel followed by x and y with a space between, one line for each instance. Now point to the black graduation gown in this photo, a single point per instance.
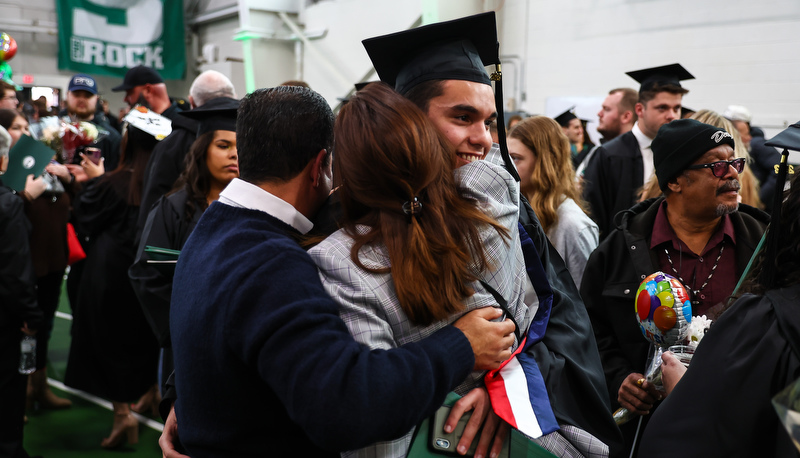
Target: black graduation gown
pixel 165 165
pixel 722 405
pixel 166 227
pixel 611 179
pixel 113 354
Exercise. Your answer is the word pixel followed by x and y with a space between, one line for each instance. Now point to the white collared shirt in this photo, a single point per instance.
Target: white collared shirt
pixel 647 153
pixel 242 194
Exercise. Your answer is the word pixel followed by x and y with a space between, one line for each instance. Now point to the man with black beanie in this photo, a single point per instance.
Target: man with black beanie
pixel 698 233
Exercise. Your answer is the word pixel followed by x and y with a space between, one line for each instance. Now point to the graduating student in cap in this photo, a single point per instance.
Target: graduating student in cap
pixel 620 167
pixel 441 68
pixel 575 130
pixel 167 161
pixel 114 353
pixel 415 238
pixel 211 164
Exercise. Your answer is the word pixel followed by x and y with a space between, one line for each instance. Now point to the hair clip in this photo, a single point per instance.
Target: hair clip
pixel 412 207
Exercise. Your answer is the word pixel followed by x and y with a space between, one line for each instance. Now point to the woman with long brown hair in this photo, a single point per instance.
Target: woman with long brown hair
pixel 541 152
pixel 211 163
pixel 113 353
pixel 416 239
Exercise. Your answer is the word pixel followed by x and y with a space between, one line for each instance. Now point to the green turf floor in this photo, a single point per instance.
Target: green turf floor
pixel 76 432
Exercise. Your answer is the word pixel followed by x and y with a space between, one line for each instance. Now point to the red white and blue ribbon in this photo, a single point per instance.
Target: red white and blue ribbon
pixel 517 388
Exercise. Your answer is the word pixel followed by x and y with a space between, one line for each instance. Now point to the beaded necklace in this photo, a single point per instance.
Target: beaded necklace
pixel 696 292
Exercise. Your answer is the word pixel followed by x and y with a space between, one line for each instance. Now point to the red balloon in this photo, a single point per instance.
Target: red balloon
pixel 643 305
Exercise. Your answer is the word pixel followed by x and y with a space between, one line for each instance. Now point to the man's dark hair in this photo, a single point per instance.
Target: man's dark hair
pixel 279 130
pixel 646 96
pixel 422 93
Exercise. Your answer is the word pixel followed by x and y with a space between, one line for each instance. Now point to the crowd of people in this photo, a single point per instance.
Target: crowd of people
pixel 339 275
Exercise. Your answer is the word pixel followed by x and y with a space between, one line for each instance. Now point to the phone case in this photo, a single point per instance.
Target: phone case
pixel 445 443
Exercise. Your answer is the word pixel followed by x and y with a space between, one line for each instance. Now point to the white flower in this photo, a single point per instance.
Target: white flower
pixel 89 130
pixel 697 330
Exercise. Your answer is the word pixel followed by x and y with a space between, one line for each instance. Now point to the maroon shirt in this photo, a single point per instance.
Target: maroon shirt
pixel 694 269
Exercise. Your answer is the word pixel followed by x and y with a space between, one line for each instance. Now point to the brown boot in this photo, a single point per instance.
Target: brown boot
pixel 43 395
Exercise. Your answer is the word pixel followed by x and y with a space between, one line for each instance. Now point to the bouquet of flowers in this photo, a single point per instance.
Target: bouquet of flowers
pixel 65 137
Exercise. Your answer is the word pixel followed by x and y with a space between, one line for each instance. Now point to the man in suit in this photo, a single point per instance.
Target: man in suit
pixel 619 168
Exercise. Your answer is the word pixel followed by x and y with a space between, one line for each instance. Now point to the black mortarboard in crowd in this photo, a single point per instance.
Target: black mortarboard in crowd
pixel 787 140
pixel 666 74
pixel 453 50
pixel 686 112
pixel 217 114
pixel 564 118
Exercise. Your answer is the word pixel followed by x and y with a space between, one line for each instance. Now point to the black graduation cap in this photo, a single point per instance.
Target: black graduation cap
pixel 789 139
pixel 217 114
pixel 564 118
pixel 666 74
pixel 453 50
pixel 686 112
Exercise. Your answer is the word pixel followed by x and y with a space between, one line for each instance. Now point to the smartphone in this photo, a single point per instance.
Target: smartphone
pixel 443 442
pixel 93 154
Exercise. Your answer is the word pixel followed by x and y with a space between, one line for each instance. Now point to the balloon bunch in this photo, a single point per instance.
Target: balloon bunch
pixel 664 311
pixel 8 47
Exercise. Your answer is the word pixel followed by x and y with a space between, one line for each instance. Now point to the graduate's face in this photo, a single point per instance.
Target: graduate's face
pixel 663 108
pixel 463 114
pixel 574 131
pixel 523 159
pixel 221 158
pixel 609 124
pixel 17 129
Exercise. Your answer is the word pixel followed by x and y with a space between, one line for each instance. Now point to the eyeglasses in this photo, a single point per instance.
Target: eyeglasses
pixel 720 168
pixel 10 97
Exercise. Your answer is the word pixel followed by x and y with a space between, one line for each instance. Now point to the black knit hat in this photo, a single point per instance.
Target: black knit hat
pixel 681 142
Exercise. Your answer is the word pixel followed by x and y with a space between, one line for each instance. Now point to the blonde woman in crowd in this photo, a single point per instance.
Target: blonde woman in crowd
pixel 542 155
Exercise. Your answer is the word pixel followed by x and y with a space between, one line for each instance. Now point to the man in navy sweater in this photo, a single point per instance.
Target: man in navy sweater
pixel 264 365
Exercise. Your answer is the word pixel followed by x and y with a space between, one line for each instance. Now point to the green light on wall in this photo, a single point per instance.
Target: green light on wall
pixel 247 52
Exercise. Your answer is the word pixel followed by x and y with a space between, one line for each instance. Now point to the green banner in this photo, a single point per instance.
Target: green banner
pixel 107 37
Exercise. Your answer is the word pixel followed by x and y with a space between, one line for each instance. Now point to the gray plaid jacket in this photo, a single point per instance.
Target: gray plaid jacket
pixel 368 303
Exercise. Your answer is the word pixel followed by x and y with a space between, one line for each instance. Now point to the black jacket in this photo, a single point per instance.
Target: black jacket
pixel 18 301
pixel 748 356
pixel 613 274
pixel 611 180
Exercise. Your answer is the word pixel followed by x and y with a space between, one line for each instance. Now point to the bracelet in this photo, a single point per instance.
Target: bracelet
pixel 71 178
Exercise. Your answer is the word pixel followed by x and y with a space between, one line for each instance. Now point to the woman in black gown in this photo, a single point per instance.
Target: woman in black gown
pixel 113 352
pixel 210 165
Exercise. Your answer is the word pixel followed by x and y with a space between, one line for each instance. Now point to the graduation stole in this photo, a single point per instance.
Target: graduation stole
pixel 517 388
